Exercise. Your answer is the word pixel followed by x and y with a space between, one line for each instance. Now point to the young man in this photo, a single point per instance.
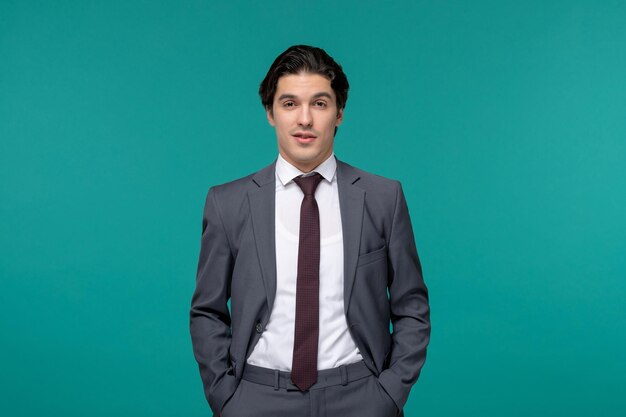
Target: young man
pixel 317 258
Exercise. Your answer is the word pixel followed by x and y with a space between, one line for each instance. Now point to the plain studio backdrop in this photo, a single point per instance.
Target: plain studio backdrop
pixel 505 122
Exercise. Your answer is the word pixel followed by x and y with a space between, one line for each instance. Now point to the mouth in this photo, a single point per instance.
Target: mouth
pixel 304 137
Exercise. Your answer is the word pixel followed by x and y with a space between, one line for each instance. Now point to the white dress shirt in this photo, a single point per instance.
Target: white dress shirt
pixel 335 346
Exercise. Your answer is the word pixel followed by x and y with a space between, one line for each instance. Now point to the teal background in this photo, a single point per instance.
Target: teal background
pixel 505 122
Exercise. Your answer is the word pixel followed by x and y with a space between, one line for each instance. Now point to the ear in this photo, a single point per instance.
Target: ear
pixel 270 116
pixel 339 117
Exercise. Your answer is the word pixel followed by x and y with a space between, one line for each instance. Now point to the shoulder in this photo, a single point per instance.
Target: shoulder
pixel 369 182
pixel 232 188
pixel 231 195
pixel 241 186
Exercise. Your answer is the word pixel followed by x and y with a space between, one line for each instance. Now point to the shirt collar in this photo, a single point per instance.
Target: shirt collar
pixel 287 172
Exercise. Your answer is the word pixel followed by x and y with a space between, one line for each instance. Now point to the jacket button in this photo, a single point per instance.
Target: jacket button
pixel 259 328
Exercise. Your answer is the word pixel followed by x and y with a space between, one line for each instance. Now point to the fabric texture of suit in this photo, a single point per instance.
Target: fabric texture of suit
pixel 382 280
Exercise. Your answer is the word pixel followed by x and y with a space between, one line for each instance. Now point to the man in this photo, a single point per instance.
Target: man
pixel 317 259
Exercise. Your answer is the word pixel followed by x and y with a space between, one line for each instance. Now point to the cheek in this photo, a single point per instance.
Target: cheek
pixel 332 122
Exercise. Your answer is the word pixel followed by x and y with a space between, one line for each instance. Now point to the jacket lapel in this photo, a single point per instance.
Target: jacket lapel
pixel 262 198
pixel 351 200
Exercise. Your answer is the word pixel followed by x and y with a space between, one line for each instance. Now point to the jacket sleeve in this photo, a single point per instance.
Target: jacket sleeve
pixel 410 312
pixel 209 315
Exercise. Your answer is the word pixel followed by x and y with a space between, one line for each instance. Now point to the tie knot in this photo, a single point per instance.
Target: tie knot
pixel 308 184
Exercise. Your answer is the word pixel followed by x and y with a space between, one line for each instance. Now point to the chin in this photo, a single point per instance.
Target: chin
pixel 304 157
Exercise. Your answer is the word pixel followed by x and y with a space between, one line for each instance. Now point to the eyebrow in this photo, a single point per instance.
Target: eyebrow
pixel 292 96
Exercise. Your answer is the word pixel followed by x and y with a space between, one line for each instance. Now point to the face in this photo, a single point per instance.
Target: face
pixel 305 115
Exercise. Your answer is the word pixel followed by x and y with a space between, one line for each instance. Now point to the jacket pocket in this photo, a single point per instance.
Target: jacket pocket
pixel 373 256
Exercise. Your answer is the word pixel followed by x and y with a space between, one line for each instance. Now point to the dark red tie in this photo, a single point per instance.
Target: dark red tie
pixel 304 365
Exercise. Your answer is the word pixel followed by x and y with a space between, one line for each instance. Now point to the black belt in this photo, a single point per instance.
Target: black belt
pixel 341 375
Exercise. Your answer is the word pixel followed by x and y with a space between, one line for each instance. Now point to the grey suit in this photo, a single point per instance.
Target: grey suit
pixel 382 280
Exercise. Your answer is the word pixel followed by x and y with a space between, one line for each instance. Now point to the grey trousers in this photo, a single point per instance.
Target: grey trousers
pixel 346 391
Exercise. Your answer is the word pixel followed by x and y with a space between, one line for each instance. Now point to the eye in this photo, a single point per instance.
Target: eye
pixel 320 103
pixel 289 104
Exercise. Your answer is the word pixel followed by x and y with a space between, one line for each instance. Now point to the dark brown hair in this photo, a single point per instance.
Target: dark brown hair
pixel 309 59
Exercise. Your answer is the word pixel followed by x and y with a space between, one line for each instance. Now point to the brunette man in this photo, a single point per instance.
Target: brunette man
pixel 317 259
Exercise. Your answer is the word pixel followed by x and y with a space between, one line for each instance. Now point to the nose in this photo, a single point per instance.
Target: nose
pixel 304 117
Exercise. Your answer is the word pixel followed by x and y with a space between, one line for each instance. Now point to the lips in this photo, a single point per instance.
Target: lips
pixel 304 135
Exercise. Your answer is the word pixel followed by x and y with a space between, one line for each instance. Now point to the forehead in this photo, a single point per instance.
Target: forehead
pixel 303 84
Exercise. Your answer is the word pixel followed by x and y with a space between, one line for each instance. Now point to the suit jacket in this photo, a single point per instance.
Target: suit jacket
pixel 382 280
